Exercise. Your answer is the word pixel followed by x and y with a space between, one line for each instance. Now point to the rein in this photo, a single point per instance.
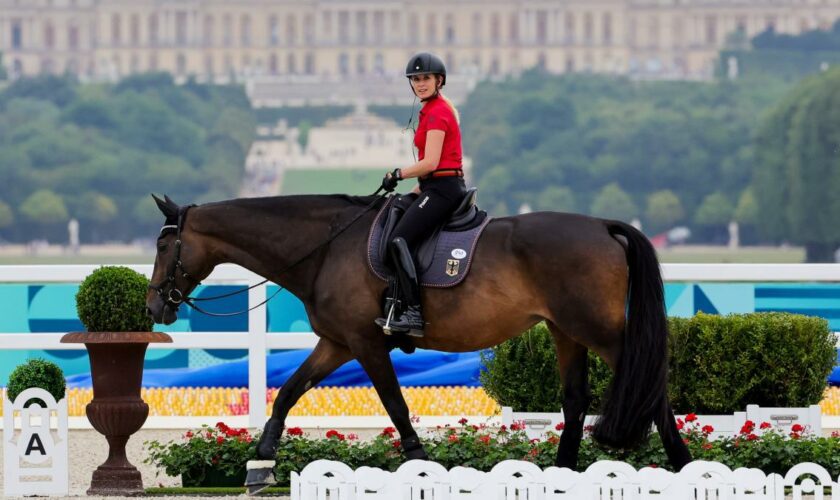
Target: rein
pixel 174 297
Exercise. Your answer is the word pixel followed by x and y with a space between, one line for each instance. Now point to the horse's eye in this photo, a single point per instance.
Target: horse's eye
pixel 162 247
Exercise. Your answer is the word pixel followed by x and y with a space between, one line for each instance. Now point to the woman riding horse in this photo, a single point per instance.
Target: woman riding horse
pixel 441 183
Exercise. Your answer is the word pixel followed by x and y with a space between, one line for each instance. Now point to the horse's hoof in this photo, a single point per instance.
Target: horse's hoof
pixel 414 449
pixel 260 476
pixel 419 454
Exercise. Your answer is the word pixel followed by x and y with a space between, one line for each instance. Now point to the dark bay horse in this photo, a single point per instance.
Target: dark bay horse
pixel 596 283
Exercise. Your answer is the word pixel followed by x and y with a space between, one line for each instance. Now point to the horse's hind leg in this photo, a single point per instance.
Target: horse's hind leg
pixel 572 362
pixel 374 358
pixel 324 360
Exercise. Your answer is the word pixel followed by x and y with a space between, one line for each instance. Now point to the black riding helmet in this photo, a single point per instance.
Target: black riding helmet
pixel 425 63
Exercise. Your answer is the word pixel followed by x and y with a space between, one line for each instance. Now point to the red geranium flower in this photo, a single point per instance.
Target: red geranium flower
pixel 707 446
pixel 751 437
pixel 220 440
pixel 332 433
pixel 560 426
pixel 691 417
pixel 484 439
pixel 708 429
pixel 463 421
pixel 189 434
pixel 680 424
pixel 748 427
pixel 797 428
pixel 388 431
pixel 294 431
pixel 453 438
pixel 396 443
pixel 765 425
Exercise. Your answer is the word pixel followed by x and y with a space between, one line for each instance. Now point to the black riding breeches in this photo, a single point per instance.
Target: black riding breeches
pixel 438 198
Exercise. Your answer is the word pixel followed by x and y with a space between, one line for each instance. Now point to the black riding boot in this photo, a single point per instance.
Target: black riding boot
pixel 411 321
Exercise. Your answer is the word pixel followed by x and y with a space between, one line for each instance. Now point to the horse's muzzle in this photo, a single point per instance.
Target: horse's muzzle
pixel 161 312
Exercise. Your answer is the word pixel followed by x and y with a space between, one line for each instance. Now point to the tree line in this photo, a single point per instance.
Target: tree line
pixel 95 152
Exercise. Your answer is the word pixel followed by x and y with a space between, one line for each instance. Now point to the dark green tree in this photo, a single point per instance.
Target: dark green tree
pixel 612 202
pixel 797 175
pixel 663 210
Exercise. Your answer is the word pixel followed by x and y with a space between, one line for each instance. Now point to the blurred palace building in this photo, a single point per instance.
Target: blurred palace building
pixel 323 42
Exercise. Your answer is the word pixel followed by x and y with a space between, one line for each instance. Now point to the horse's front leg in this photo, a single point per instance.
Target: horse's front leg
pixel 374 357
pixel 324 359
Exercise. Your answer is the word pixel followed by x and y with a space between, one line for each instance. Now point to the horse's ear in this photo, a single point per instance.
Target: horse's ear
pixel 168 207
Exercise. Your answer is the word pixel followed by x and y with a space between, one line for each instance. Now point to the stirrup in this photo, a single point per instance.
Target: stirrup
pixel 385 323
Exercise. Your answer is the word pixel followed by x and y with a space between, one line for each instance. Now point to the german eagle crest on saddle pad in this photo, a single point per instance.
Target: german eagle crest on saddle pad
pixel 444 258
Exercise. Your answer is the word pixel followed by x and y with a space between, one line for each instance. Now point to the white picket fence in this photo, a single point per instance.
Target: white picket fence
pixel 519 480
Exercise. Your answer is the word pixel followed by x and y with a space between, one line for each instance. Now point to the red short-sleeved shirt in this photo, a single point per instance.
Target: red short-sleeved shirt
pixel 437 115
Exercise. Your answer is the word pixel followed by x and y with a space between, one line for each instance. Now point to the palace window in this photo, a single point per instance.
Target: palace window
pixel 413 29
pixel 245 30
pixel 542 27
pixel 17 34
pixel 227 30
pixel 343 27
pixel 378 26
pixel 569 27
pixel 476 28
pixel 209 31
pixel 135 29
pixel 49 35
pixel 73 36
pixel 309 63
pixel 153 29
pixel 361 27
pixel 608 28
pixel 431 29
pixel 291 29
pixel 711 30
pixel 309 28
pixel 181 29
pixel 513 26
pixel 116 33
pixel 449 28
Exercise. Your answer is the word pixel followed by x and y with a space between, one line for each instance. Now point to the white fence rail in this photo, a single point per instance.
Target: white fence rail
pixel 258 341
pixel 511 479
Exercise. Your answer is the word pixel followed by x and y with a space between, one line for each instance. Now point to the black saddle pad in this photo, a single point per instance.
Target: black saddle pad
pixel 450 260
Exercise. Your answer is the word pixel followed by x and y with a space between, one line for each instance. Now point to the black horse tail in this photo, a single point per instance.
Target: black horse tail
pixel 638 394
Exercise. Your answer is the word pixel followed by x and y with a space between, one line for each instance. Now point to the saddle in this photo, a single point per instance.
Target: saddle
pixel 444 257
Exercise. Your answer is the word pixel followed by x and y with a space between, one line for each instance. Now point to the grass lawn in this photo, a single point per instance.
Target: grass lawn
pixel 718 254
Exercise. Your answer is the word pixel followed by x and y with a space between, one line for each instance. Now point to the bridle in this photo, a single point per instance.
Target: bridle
pixel 173 297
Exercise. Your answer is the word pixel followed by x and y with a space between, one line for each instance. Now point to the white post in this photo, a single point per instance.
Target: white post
pixel 257 350
pixel 35 446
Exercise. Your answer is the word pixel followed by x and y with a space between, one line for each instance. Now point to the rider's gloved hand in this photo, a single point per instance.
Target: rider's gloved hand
pixel 389 182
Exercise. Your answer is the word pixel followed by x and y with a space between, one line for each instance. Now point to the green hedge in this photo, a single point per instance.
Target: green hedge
pixel 718 365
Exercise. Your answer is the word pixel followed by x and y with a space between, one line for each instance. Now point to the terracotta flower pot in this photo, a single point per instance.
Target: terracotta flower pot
pixel 117 410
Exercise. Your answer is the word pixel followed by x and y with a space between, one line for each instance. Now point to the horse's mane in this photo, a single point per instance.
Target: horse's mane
pixel 275 202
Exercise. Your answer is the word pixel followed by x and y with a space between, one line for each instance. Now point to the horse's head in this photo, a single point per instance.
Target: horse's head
pixel 180 264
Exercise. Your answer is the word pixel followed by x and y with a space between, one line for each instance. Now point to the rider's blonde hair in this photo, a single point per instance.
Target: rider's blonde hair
pixel 449 103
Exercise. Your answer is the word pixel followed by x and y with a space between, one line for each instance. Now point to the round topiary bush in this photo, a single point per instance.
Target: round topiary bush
pixel 113 299
pixel 37 373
